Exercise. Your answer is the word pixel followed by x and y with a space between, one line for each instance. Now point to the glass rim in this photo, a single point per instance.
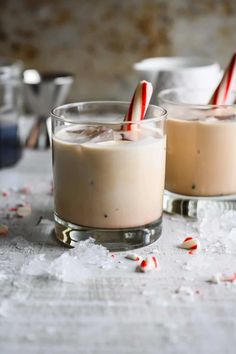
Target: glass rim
pixel 178 62
pixel 163 113
pixel 190 105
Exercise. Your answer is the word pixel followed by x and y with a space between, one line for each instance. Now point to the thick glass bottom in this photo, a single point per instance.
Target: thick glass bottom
pixel 113 239
pixel 188 206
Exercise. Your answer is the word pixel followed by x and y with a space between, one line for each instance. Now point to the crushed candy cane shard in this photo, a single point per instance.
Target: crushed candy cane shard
pixel 230 279
pixel 148 264
pixel 24 190
pixel 23 211
pixel 133 257
pixel 219 278
pixel 215 279
pixel 3 230
pixel 13 209
pixel 190 244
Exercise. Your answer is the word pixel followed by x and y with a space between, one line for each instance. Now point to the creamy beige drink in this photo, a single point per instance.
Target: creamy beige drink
pixel 201 156
pixel 108 184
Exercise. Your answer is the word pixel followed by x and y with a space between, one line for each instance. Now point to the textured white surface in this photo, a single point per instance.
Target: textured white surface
pixel 116 310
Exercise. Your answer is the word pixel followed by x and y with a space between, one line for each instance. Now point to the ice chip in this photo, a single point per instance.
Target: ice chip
pixel 73 266
pixel 228 220
pixel 102 134
pixel 36 266
pixel 4 308
pixel 207 210
pixel 82 135
pixel 68 268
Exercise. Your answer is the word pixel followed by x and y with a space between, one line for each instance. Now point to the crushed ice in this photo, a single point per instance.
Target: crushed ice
pixel 74 265
pixel 217 227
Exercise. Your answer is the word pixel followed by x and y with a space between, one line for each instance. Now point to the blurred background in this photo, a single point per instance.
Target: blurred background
pixel 82 50
pixel 99 41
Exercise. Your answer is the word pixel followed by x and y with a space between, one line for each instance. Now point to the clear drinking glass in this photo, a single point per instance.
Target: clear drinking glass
pixel 201 151
pixel 108 174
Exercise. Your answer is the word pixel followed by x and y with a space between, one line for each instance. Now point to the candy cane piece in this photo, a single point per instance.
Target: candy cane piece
pixel 190 244
pixel 5 194
pixel 139 103
pixel 148 264
pixel 133 257
pixel 219 277
pixel 24 190
pixel 3 230
pixel 230 279
pixel 225 92
pixel 23 211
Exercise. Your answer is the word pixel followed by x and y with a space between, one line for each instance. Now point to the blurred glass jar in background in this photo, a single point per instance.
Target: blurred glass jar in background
pixel 10 108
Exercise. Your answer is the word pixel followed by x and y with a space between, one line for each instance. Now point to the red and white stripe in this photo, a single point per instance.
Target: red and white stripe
pixel 139 103
pixel 190 244
pixel 133 257
pixel 225 93
pixel 230 279
pixel 148 264
pixel 219 277
pixel 23 211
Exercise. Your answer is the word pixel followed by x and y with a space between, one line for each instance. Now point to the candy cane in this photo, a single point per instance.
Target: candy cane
pixel 148 264
pixel 133 257
pixel 225 92
pixel 230 279
pixel 23 211
pixel 190 243
pixel 219 277
pixel 139 104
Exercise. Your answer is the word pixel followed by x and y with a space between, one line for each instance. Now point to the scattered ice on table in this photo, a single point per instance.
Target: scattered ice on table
pixel 4 308
pixel 91 253
pixel 232 235
pixel 147 292
pixel 228 220
pixel 187 266
pixel 21 243
pixel 178 261
pixel 3 276
pixel 37 266
pixel 207 209
pixel 51 330
pixel 30 337
pixel 68 268
pixel 217 227
pixel 184 291
pixel 73 265
pixel 216 278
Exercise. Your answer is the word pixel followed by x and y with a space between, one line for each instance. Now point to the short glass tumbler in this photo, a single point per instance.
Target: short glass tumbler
pixel 201 152
pixel 108 174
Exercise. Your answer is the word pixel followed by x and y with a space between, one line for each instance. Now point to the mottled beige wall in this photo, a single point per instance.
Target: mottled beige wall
pixel 99 40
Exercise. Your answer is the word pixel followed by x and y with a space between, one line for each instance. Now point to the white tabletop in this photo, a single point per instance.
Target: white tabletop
pixel 115 309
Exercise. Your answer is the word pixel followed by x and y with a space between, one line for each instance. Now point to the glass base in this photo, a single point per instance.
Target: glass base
pixel 188 206
pixel 113 239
